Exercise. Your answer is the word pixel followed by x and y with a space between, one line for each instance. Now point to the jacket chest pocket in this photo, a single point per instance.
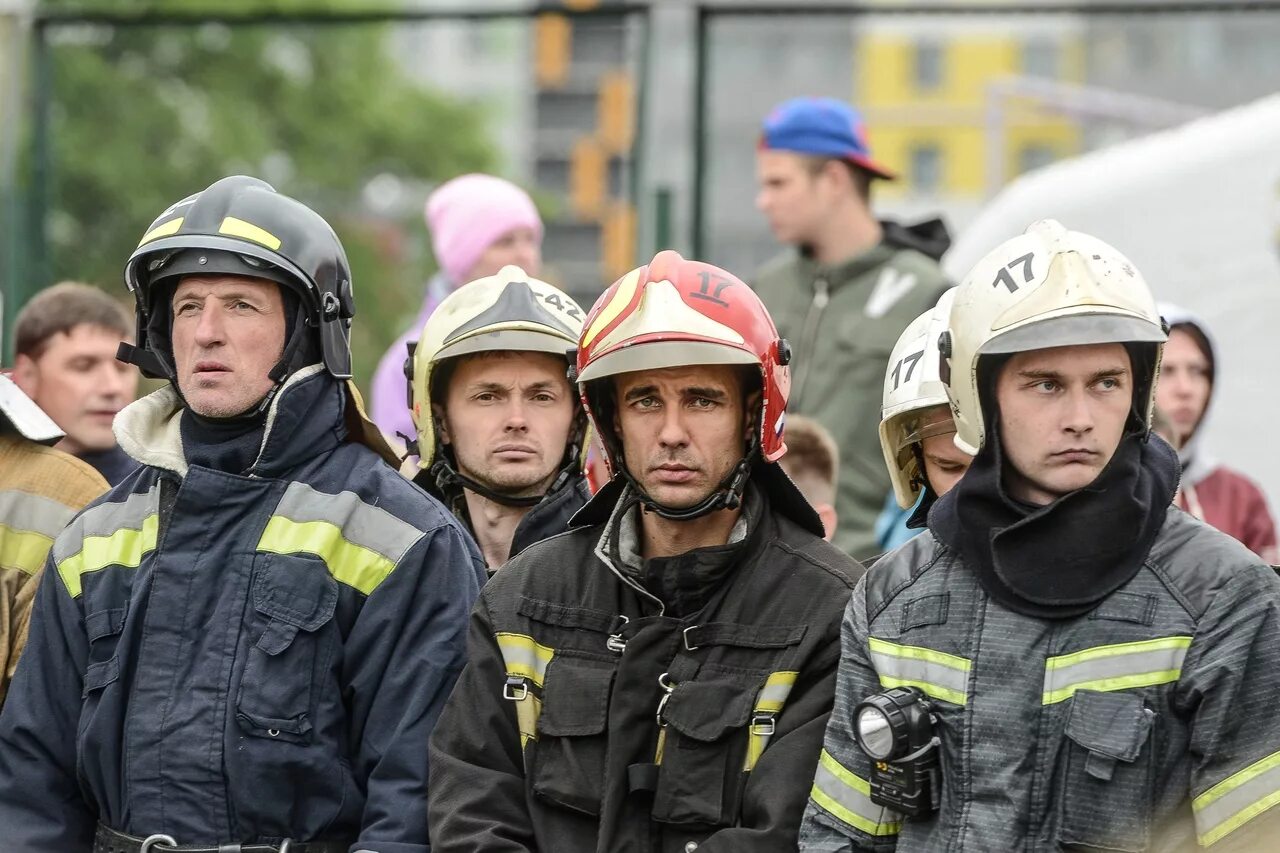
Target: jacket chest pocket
pixel 703 751
pixel 102 629
pixel 567 760
pixel 1105 793
pixel 292 599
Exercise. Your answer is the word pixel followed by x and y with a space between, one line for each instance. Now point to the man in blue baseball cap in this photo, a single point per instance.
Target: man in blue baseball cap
pixel 845 292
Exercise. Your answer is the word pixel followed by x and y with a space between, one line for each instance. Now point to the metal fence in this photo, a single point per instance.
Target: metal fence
pixel 359 113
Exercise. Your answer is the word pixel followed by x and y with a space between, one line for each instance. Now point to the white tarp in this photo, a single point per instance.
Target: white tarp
pixel 1197 209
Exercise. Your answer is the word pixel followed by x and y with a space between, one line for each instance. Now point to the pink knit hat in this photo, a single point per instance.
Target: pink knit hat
pixel 469 214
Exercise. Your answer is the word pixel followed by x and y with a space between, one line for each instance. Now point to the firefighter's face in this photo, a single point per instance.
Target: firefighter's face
pixel 76 379
pixel 1062 415
pixel 944 463
pixel 228 332
pixel 682 429
pixel 507 416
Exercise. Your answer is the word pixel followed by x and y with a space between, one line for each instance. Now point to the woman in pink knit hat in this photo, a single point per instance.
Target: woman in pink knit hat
pixel 478 224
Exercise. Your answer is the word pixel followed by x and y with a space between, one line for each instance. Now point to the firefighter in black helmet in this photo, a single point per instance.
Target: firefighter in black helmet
pixel 245 644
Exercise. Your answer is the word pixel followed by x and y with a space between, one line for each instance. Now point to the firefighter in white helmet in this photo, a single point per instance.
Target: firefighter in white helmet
pixel 1063 660
pixel 916 428
pixel 501 433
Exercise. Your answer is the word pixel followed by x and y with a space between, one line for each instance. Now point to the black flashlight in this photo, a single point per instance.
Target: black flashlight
pixel 896 731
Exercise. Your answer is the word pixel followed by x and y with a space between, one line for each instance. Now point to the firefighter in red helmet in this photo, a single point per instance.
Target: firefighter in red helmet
pixel 664 670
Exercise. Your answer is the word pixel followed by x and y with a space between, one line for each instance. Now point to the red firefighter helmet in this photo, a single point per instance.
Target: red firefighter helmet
pixel 674 312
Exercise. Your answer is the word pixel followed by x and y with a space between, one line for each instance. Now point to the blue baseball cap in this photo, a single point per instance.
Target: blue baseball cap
pixel 822 126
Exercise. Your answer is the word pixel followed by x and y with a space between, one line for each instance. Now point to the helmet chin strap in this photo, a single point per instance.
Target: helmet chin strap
pixel 284 367
pixel 448 477
pixel 727 495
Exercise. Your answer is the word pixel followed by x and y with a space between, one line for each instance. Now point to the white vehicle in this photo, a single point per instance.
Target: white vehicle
pixel 1197 209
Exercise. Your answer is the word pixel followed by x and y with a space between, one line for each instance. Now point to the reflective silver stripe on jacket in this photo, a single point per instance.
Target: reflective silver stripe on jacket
pixel 1236 800
pixel 846 796
pixel 938 674
pixel 1116 667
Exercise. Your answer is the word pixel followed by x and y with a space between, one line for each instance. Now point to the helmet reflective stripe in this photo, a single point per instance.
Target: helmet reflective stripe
pixel 1048 287
pixel 510 311
pixel 912 386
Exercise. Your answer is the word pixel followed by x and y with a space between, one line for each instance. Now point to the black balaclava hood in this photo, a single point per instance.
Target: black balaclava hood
pixel 1062 559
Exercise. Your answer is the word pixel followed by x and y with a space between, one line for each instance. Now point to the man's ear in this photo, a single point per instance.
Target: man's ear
pixel 442 423
pixel 26 375
pixel 751 414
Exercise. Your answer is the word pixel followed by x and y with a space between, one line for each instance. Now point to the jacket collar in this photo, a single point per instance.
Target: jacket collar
pixel 551 515
pixel 684 583
pixel 304 420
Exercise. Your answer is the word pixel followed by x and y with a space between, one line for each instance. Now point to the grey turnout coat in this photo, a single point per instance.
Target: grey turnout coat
pixel 1148 723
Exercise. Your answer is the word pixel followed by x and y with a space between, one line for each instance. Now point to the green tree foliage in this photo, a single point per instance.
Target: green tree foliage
pixel 144 115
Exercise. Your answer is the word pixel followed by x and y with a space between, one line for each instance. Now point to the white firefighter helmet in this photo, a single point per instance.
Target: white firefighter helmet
pixel 19 410
pixel 912 387
pixel 507 311
pixel 1048 287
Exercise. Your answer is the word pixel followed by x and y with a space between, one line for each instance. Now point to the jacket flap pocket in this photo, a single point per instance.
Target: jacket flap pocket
pixel 99 675
pixel 575 696
pixel 104 623
pixel 925 610
pixel 566 615
pixel 708 710
pixel 1112 724
pixel 295 589
pixel 1127 607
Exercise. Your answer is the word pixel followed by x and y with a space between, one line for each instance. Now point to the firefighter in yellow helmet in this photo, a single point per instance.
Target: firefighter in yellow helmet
pixel 40 490
pixel 501 433
pixel 1064 660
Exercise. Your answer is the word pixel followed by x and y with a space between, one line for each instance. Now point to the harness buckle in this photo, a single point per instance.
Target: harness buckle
pixel 516 689
pixel 688 646
pixel 152 840
pixel 763 724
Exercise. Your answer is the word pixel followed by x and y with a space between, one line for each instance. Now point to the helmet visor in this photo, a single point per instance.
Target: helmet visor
pixel 1075 330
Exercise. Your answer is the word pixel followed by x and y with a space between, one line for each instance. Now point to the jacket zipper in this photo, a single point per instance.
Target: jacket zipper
pixel 821 296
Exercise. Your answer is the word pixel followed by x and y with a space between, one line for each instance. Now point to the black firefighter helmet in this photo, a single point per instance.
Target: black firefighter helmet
pixel 242 226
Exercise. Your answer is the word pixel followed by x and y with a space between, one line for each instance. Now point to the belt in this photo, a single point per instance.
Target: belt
pixel 107 840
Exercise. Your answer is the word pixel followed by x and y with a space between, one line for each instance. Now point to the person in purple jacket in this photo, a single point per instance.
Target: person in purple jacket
pixel 478 224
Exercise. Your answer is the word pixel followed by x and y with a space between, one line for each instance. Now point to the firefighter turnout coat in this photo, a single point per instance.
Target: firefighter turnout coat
pixel 1149 723
pixel 226 658
pixel 616 704
pixel 41 489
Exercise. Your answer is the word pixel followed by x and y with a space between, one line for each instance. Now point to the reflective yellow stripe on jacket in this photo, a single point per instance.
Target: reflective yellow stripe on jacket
pixel 938 674
pixel 847 796
pixel 769 703
pixel 1117 667
pixel 30 524
pixel 360 543
pixel 1238 799
pixel 527 660
pixel 118 533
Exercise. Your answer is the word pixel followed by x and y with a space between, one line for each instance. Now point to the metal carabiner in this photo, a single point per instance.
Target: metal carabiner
pixel 662 703
pixel 152 840
pixel 615 643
